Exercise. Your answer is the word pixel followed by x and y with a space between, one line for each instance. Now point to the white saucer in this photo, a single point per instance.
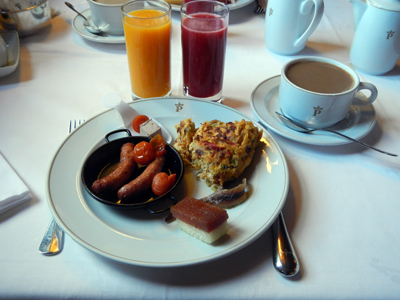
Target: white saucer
pixel 264 102
pixel 77 25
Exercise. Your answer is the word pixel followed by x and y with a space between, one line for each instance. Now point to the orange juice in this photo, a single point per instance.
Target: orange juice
pixel 147 36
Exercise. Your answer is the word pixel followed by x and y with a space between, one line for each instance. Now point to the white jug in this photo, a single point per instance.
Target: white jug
pixel 375 48
pixel 289 23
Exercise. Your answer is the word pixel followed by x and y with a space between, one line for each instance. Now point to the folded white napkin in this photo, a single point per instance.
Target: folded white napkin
pixel 13 190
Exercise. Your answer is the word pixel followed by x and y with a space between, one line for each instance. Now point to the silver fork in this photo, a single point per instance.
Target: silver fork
pixel 53 239
pixel 259 10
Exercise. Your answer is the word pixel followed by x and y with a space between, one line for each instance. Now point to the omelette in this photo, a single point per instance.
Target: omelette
pixel 221 151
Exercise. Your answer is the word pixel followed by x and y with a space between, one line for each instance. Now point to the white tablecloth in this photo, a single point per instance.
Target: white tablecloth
pixel 342 210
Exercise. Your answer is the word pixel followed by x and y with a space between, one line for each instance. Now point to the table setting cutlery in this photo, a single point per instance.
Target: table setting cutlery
pixel 336 197
pixel 358 122
pixel 53 239
pixel 88 26
pixel 284 256
pixel 300 128
pixel 261 6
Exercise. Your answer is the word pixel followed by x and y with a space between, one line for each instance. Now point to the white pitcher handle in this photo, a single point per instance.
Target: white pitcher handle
pixel 318 12
pixel 360 99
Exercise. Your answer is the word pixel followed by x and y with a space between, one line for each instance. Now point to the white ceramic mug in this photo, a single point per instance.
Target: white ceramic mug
pixel 317 109
pixel 107 15
pixel 289 23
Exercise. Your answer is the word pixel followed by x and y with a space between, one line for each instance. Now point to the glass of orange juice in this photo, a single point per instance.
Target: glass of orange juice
pixel 147 28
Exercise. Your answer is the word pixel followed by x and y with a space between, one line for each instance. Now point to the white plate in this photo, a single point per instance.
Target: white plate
pixel 135 236
pixel 79 28
pixel 232 6
pixel 264 103
pixel 12 41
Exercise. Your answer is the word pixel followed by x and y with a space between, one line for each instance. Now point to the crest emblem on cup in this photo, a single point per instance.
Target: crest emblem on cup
pixel 318 92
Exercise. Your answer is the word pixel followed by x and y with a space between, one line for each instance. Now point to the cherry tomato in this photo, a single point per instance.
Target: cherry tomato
pixel 144 153
pixel 140 119
pixel 158 144
pixel 162 183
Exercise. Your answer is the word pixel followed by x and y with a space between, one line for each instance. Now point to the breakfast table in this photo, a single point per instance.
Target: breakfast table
pixel 343 200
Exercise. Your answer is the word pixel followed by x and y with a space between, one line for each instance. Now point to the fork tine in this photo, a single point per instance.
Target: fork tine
pixel 73 124
pixel 259 10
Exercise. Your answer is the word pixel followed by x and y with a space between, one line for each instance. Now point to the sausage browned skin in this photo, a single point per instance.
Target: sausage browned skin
pixel 143 181
pixel 120 175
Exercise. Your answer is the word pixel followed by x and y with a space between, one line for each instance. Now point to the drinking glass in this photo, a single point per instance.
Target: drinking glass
pixel 147 27
pixel 204 30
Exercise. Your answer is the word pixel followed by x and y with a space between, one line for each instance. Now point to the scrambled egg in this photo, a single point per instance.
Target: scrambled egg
pixel 220 150
pixel 186 131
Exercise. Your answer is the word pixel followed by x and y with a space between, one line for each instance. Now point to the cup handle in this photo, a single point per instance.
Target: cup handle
pixel 318 12
pixel 360 99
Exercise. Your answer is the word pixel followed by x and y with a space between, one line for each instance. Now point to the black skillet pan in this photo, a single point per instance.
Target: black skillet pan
pixel 108 155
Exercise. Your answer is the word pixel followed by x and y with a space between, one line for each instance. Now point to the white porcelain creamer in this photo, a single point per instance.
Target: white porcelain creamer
pixel 375 48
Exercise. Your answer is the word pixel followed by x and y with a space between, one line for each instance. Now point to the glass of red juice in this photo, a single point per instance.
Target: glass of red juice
pixel 204 26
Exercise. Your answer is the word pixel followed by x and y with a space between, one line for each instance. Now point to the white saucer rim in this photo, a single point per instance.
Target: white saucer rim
pixel 312 139
pixel 110 39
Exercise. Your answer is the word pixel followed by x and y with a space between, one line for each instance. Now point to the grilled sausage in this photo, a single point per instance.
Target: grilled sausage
pixel 120 175
pixel 143 181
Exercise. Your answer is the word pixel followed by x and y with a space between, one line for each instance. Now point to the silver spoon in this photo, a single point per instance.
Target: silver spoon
pixel 300 128
pixel 284 257
pixel 86 23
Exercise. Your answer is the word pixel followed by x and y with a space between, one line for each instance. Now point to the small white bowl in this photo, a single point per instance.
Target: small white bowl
pixel 12 42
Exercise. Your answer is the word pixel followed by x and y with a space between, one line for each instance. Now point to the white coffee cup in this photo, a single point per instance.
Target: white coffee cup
pixel 289 24
pixel 107 15
pixel 329 89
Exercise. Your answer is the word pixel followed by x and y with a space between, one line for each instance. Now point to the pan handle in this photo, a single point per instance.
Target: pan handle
pixel 117 131
pixel 163 209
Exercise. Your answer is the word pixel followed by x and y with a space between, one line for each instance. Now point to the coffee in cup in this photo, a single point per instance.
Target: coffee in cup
pixel 318 92
pixel 107 15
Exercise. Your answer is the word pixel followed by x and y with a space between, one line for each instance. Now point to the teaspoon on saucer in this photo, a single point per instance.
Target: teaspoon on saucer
pixel 300 128
pixel 86 23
